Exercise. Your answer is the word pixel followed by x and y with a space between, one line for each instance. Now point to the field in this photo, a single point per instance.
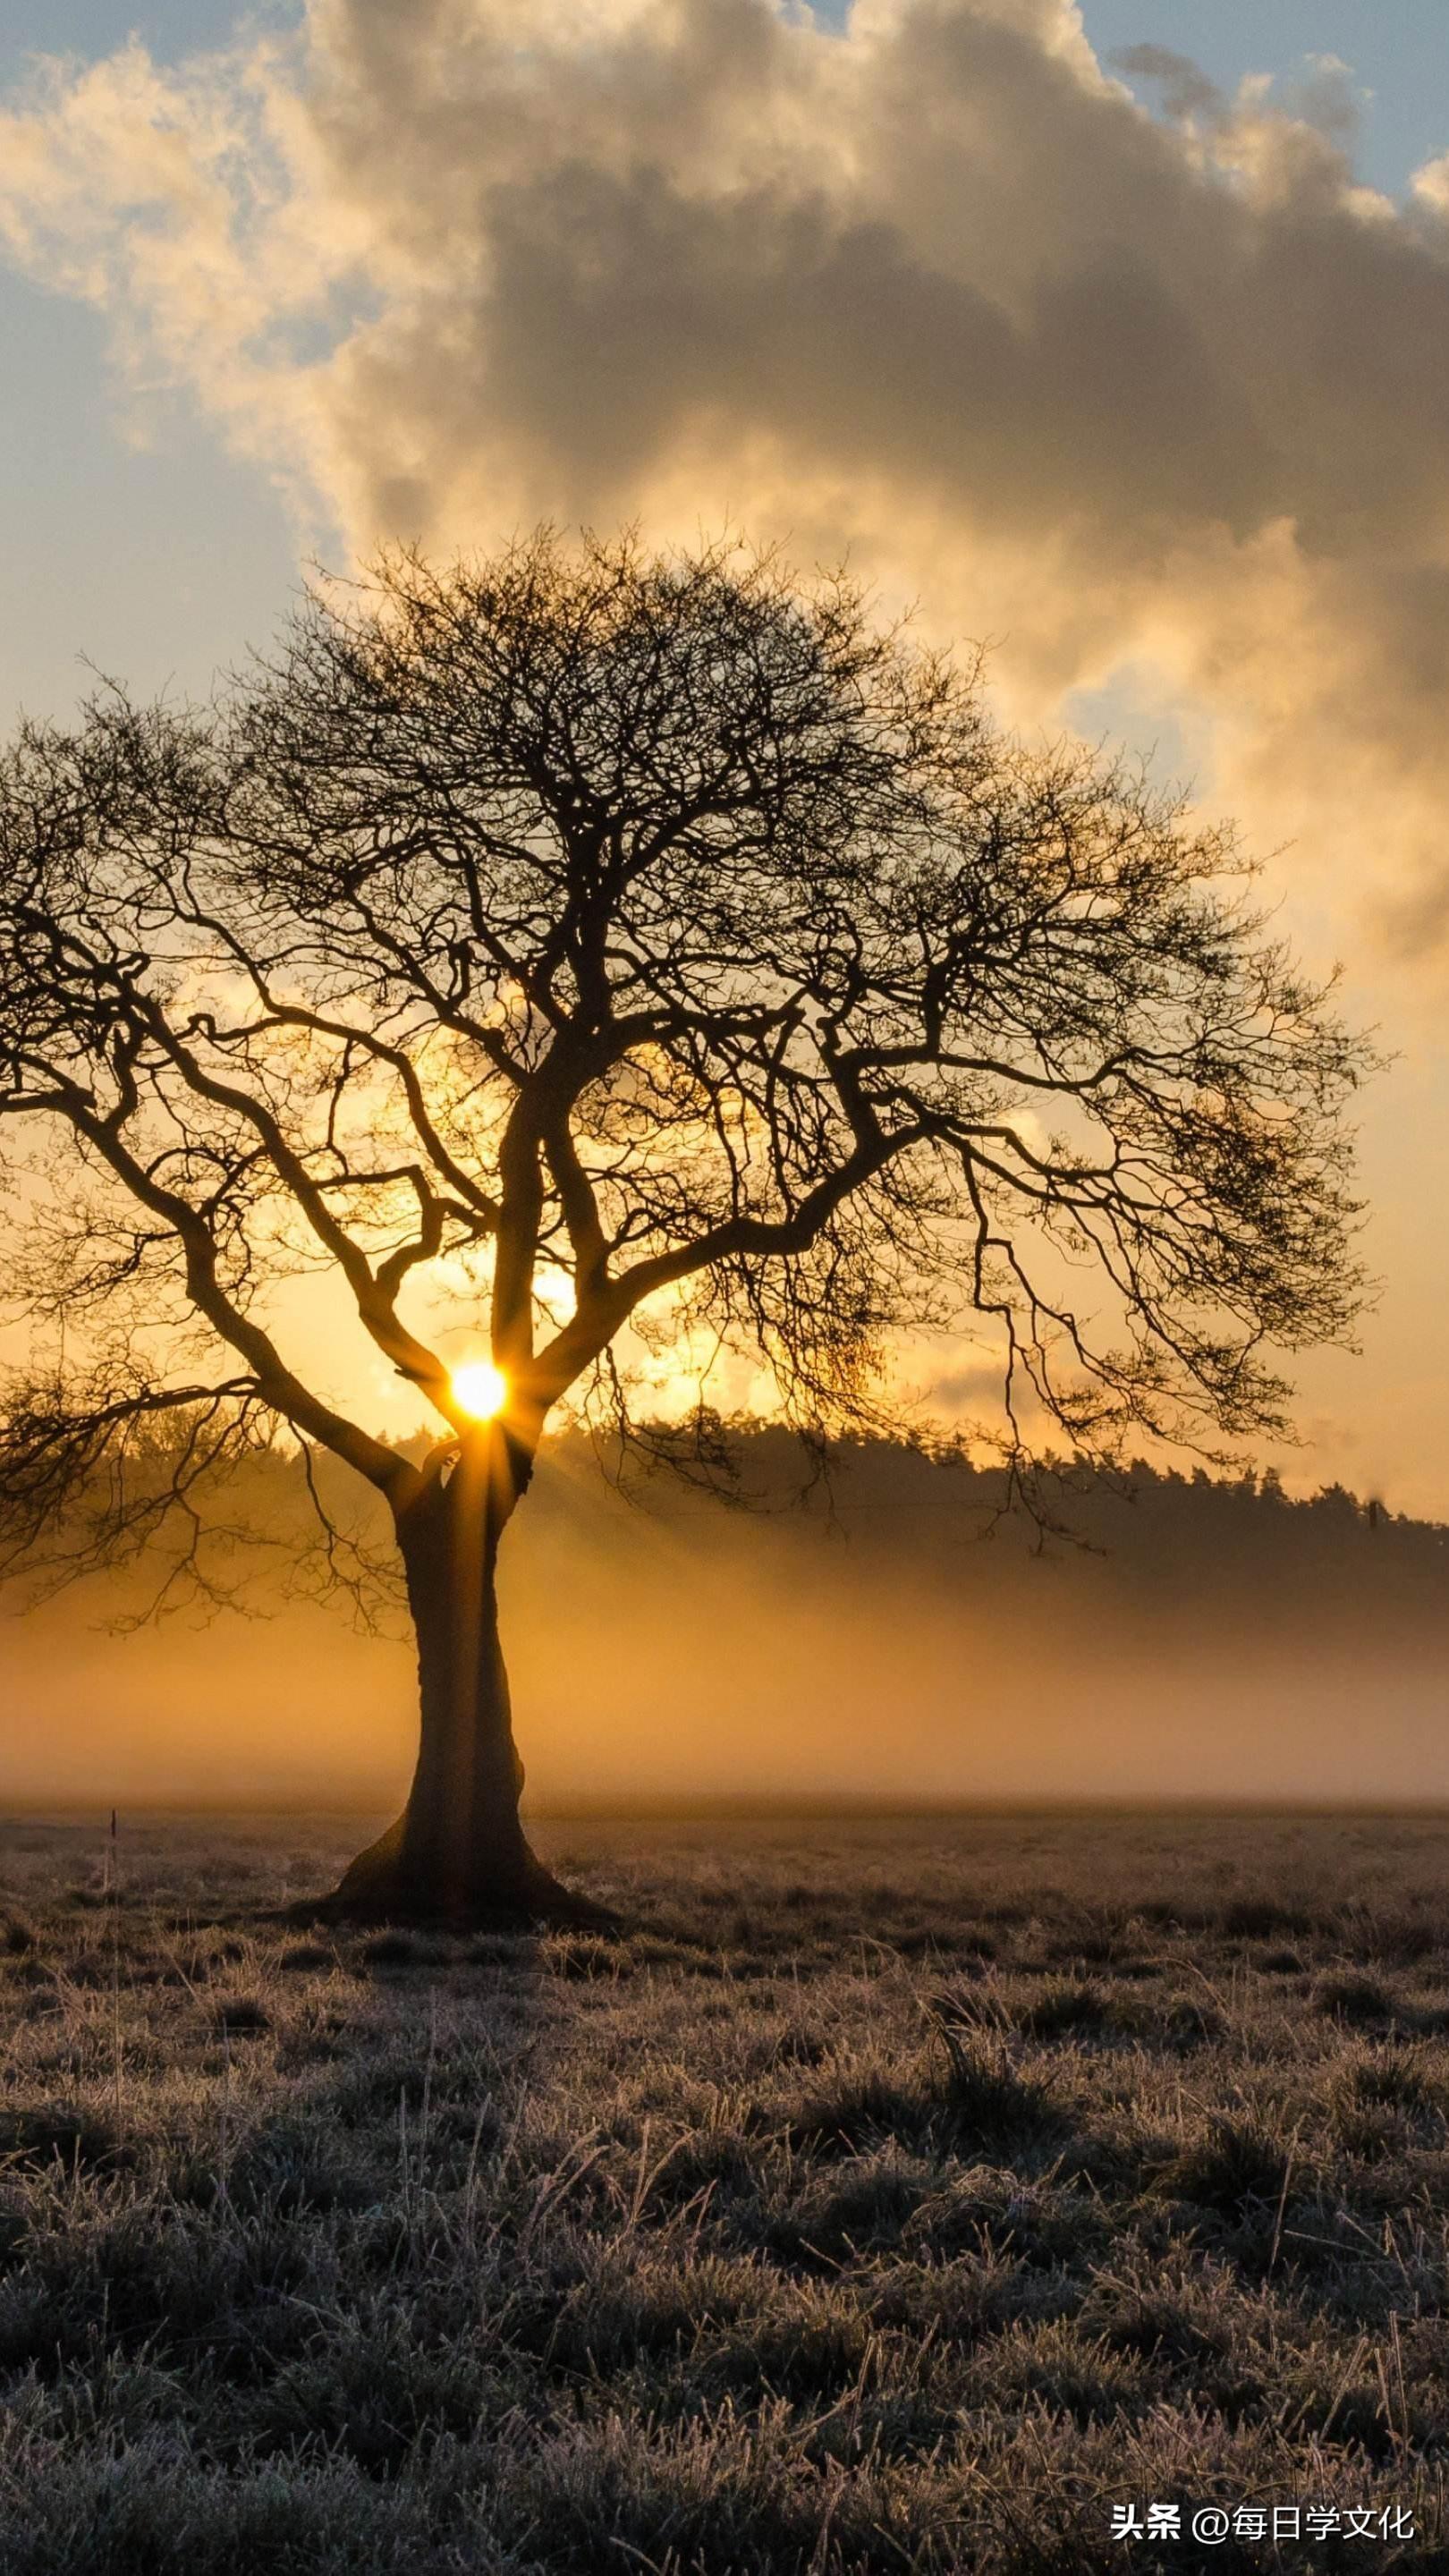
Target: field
pixel 889 2196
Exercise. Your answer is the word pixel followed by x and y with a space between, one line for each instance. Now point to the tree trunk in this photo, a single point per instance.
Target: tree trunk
pixel 458 1853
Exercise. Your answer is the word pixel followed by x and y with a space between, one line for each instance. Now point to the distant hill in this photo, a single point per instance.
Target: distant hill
pixel 863 1640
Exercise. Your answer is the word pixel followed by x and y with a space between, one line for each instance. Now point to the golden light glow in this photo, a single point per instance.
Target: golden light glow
pixel 480 1389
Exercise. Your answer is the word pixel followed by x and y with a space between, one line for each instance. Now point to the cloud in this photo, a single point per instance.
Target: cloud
pixel 1115 390
pixel 1186 91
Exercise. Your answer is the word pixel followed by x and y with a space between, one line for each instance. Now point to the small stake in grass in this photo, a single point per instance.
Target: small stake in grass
pixel 113 1885
pixel 224 2167
pixel 427 2103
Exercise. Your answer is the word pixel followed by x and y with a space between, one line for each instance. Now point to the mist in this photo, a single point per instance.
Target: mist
pixel 871 1642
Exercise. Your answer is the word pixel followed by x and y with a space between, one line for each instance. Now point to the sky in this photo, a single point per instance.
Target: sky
pixel 1118 336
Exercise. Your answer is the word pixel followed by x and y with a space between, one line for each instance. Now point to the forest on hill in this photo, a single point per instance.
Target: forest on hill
pixel 883 1635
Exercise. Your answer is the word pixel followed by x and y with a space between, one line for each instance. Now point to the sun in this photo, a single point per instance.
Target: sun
pixel 480 1389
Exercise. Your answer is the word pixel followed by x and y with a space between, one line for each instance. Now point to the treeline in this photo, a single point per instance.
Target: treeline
pixel 891 1633
pixel 1150 1532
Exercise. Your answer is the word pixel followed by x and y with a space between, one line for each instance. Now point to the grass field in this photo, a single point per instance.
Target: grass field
pixel 889 2197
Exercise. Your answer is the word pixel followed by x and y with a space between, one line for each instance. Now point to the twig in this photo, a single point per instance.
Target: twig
pixel 1283 2202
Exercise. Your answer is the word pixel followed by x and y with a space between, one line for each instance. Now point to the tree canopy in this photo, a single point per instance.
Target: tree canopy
pixel 587 944
pixel 585 925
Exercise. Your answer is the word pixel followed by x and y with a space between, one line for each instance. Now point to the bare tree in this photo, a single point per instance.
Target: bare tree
pixel 638 947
